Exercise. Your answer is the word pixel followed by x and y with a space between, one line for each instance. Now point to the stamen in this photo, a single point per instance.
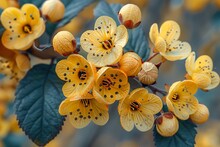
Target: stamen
pixel 175 97
pixel 107 44
pixel 27 29
pixel 82 74
pixel 85 102
pixel 107 83
pixel 134 106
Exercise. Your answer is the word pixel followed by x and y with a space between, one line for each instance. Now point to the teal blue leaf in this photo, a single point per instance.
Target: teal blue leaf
pixel 72 9
pixel 38 97
pixel 138 43
pixel 37 3
pixel 185 137
pixel 1 27
pixel 104 9
pixel 137 39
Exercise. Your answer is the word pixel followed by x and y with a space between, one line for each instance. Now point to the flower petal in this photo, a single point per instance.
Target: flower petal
pixel 31 13
pixel 154 33
pixel 99 112
pixel 151 104
pixel 105 26
pixel 214 80
pixel 66 106
pixel 177 50
pixel 190 63
pixel 12 19
pixel 185 107
pixel 127 122
pixel 38 29
pixel 143 121
pixel 16 41
pixel 90 41
pixel 204 63
pixel 201 79
pixel 121 37
pixel 187 87
pixel 160 44
pixel 170 31
pixel 79 116
pixel 102 57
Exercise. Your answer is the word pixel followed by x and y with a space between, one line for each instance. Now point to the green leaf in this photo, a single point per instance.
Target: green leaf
pixel 72 9
pixel 137 40
pixel 38 97
pixel 185 137
pixel 37 3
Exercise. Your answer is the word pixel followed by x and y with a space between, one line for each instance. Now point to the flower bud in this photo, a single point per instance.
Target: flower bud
pixel 130 63
pixel 53 10
pixel 130 16
pixel 64 43
pixel 23 62
pixel 148 74
pixel 167 124
pixel 201 115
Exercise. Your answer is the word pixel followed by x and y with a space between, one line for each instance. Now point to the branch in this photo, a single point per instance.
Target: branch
pixel 156 90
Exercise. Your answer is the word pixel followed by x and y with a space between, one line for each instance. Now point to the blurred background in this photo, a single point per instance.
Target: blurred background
pixel 200 26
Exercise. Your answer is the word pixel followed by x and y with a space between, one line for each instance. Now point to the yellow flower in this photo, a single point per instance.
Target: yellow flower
pixel 22 26
pixel 166 41
pixel 13 63
pixel 78 73
pixel 82 111
pixel 110 85
pixel 200 71
pixel 104 44
pixel 181 100
pixel 138 109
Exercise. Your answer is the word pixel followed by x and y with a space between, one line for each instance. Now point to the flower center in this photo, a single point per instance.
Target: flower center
pixel 134 106
pixel 27 29
pixel 175 97
pixel 82 74
pixel 107 44
pixel 106 83
pixel 85 102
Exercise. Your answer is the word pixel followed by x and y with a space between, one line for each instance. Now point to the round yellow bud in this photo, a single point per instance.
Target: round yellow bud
pixel 64 43
pixel 167 124
pixel 201 115
pixel 148 74
pixel 130 63
pixel 53 10
pixel 23 62
pixel 130 16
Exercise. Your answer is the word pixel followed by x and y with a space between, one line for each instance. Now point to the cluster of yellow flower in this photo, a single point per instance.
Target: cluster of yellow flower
pixel 94 83
pixel 98 81
pixel 180 98
pixel 89 92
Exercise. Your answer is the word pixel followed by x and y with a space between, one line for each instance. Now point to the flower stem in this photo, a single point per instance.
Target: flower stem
pixel 151 57
pixel 156 90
